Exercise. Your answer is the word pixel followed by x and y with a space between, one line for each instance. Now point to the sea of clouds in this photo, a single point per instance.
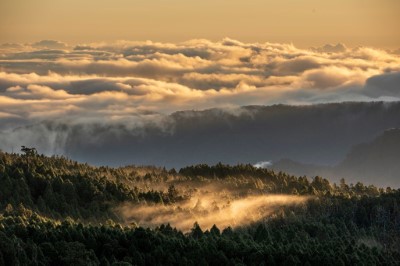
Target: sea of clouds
pixel 52 80
pixel 136 83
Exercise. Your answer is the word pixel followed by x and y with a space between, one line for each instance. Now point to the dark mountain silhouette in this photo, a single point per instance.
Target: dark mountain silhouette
pixel 375 162
pixel 316 134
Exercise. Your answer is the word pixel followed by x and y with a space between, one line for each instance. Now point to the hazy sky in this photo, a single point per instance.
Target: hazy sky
pixel 305 23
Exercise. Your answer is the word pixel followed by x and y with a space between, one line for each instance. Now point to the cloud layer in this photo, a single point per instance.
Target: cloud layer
pixel 52 80
pixel 60 98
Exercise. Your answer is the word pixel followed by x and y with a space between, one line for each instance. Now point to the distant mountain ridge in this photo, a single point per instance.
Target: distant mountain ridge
pixel 320 134
pixel 376 162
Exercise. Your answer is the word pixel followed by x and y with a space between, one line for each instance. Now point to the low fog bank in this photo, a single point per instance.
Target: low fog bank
pixel 208 210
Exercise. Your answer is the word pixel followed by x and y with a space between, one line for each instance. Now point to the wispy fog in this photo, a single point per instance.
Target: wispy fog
pixel 208 210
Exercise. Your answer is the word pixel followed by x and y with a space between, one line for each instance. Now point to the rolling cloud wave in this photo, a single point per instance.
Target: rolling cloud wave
pixel 50 80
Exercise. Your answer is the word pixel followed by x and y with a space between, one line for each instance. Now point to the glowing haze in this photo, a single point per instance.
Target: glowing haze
pixel 209 210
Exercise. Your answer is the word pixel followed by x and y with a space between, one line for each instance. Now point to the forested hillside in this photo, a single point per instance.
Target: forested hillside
pixel 55 211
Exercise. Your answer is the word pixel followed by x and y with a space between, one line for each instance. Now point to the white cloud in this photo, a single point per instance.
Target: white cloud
pixel 263 164
pixel 117 81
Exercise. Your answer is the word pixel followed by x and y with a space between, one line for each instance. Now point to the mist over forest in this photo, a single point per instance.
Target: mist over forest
pixel 59 211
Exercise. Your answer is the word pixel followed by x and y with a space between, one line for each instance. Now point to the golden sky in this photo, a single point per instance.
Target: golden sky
pixel 304 23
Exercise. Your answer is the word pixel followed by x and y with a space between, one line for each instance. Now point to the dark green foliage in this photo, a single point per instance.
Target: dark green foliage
pixel 222 171
pixel 54 212
pixel 59 187
pixel 285 240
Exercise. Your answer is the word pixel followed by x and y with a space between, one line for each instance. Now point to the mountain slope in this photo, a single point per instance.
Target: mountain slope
pixel 375 162
pixel 315 134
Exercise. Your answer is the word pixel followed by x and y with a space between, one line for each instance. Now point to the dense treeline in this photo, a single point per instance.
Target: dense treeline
pixel 59 212
pixel 279 182
pixel 60 187
pixel 315 238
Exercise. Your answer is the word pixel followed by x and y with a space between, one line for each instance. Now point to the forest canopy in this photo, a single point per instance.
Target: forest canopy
pixel 56 211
